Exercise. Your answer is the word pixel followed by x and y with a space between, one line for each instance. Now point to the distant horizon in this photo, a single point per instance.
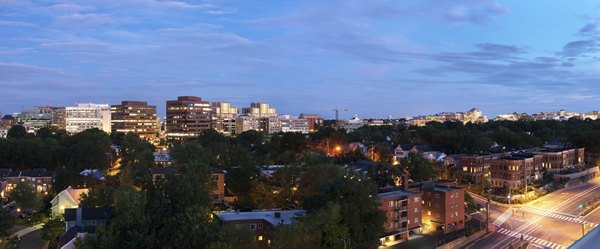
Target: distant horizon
pixel 375 58
pixel 161 112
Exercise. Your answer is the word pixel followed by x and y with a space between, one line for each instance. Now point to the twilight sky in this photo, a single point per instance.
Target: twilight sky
pixel 376 58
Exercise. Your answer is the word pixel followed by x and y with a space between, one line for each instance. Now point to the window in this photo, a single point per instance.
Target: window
pixel 429 212
pixel 260 226
pixel 252 226
pixel 391 203
pixel 416 220
pixel 416 199
pixel 437 196
pixel 260 237
pixel 416 210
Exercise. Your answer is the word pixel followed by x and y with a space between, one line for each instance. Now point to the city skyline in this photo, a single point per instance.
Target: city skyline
pixel 375 59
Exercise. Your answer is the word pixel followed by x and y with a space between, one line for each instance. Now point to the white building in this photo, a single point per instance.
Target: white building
pixel 88 116
pixel 352 124
pixel 287 123
pixel 246 123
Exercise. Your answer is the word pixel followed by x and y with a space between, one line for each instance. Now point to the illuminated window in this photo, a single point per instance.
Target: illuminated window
pixel 260 237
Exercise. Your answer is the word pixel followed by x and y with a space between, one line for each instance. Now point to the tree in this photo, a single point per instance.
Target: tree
pixel 137 159
pixel 26 197
pixel 52 231
pixel 6 223
pixel 262 196
pixel 471 205
pixel 322 229
pixel 357 196
pixel 419 168
pixel 16 132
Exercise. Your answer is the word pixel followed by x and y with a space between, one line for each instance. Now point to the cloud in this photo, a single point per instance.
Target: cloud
pixel 84 21
pixel 578 48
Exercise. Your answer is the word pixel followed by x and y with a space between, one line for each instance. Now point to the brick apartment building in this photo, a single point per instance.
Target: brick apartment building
pixel 443 207
pixel 555 159
pixel 402 214
pixel 40 179
pixel 516 171
pixel 476 167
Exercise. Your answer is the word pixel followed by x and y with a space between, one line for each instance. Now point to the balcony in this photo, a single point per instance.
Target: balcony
pixel 401 218
pixel 400 208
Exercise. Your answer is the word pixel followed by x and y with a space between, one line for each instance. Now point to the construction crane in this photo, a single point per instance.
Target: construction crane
pixel 337 115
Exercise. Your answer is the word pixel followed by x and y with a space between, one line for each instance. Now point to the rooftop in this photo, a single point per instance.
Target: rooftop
pixel 284 216
pixel 396 194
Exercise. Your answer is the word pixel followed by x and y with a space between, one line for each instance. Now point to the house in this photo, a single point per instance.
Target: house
pixel 403 150
pixel 81 222
pixel 67 198
pixel 434 156
pixel 217 177
pixel 40 179
pixel 262 223
pixel 402 210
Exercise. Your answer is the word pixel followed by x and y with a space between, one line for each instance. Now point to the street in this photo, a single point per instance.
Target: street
pixel 552 221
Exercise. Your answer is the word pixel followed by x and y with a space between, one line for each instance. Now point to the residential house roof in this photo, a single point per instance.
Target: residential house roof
pixel 89 213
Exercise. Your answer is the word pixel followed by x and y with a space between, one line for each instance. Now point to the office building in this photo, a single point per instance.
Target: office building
pixel 314 121
pixel 224 116
pixel 286 123
pixel 187 117
pixel 88 116
pixel 137 117
pixel 260 110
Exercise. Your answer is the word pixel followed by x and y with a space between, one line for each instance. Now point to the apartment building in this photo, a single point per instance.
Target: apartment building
pixel 403 215
pixel 516 171
pixel 476 167
pixel 137 117
pixel 557 158
pixel 39 179
pixel 443 207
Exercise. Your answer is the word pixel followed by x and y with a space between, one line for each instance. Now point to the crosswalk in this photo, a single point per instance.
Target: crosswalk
pixel 554 215
pixel 503 217
pixel 531 239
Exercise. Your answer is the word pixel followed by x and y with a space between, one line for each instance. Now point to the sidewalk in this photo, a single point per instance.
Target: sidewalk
pixel 22 233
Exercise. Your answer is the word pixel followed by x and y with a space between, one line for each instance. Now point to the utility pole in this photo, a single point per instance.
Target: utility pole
pixel 487 211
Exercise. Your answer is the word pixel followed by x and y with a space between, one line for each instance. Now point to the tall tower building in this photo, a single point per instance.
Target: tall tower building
pixel 137 117
pixel 187 117
pixel 87 116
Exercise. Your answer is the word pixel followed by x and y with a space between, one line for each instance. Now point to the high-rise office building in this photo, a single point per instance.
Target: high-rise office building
pixel 88 116
pixel 57 115
pixel 224 116
pixel 137 117
pixel 260 110
pixel 187 117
